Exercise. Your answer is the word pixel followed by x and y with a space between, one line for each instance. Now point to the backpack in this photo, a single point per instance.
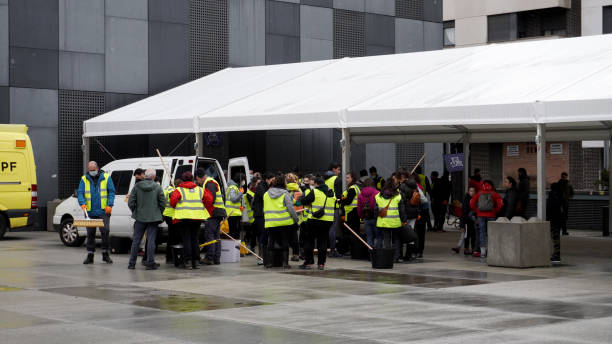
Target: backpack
pixel 415 200
pixel 485 202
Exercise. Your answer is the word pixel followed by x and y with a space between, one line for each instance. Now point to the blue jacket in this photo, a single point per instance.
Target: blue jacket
pixel 96 209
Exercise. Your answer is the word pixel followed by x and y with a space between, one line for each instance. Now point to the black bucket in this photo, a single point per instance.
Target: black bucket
pixel 382 258
pixel 177 255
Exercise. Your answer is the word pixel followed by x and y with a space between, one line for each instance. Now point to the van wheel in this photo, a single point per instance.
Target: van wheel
pixel 69 235
pixel 3 226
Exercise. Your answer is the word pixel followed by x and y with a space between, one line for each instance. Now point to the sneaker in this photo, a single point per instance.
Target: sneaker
pixel 140 253
pixel 132 266
pixel 153 266
pixel 205 261
pixel 305 267
pixel 455 249
pixel 321 267
pixel 89 259
pixel 476 254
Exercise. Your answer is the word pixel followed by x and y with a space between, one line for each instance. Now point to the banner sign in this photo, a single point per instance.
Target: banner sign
pixel 454 162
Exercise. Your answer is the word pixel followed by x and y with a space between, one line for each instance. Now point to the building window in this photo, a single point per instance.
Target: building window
pixel 502 27
pixel 531 148
pixel 556 148
pixel 449 33
pixel 512 150
pixel 607 19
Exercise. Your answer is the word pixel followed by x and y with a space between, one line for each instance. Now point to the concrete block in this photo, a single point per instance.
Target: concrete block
pixel 169 11
pixel 5 111
pixel 317 22
pixel 353 5
pixel 316 49
pixel 81 25
pixel 518 243
pixel 282 49
pixel 247 32
pixel 433 36
pixel 4 45
pixel 135 9
pixel 320 3
pixel 37 68
pixel 432 10
pixel 34 107
pixel 282 18
pixel 373 50
pixel 81 71
pixel 34 24
pixel 386 7
pixel 126 58
pixel 408 35
pixel 168 55
pixel 379 30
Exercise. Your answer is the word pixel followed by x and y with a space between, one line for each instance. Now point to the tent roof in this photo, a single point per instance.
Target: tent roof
pixel 494 93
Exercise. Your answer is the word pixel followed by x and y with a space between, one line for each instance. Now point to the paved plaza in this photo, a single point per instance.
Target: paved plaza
pixel 48 296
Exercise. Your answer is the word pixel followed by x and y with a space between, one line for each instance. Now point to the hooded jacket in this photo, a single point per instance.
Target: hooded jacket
pixel 176 196
pixel 495 197
pixel 288 200
pixel 147 202
pixel 368 194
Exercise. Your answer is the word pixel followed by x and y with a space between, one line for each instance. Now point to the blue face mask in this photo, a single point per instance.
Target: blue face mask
pixel 93 173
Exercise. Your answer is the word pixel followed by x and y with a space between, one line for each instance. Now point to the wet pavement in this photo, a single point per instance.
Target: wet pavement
pixel 48 296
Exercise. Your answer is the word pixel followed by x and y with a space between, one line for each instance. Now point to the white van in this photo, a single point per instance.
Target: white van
pixel 122 174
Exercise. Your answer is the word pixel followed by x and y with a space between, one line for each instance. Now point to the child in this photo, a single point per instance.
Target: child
pixel 468 225
pixel 486 203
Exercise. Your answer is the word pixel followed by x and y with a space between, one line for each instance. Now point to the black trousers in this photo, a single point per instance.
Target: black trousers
pixel 174 237
pixel 316 230
pixel 234 226
pixel 420 228
pixel 294 241
pixel 391 239
pixel 470 239
pixel 104 233
pixel 563 223
pixel 190 230
pixel 278 238
pixel 555 234
pixel 250 237
pixel 439 211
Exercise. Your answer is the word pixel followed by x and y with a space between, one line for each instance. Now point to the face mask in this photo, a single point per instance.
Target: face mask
pixel 242 183
pixel 93 173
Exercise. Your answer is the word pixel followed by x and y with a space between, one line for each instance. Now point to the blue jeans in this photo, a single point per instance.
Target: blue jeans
pixel 372 233
pixel 212 232
pixel 139 230
pixel 482 223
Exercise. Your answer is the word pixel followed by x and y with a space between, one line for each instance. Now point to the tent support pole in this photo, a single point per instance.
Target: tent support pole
pixel 199 145
pixel 85 149
pixel 466 162
pixel 541 146
pixel 345 143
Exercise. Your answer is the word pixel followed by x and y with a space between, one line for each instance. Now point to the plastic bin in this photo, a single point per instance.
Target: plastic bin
pixel 382 258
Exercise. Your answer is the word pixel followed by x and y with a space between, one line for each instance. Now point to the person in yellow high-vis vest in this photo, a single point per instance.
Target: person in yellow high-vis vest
pixel 215 204
pixel 174 236
pixel 334 183
pixel 251 237
pixel 279 218
pixel 189 213
pixel 96 195
pixel 296 194
pixel 321 201
pixel 391 224
pixel 349 203
pixel 233 205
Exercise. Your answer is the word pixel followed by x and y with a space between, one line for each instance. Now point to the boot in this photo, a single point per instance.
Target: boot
pixel 286 260
pixel 194 264
pixel 89 259
pixel 106 258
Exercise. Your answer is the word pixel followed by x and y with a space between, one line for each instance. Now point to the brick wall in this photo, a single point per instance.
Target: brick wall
pixel 526 157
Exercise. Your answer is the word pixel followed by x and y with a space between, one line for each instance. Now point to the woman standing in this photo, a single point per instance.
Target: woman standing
pixel 366 207
pixel 486 203
pixel 510 198
pixel 189 213
pixel 320 217
pixel 391 215
pixel 279 217
pixel 296 194
pixel 349 201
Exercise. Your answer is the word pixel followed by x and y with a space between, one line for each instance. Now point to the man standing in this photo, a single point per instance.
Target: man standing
pixel 258 214
pixel 96 195
pixel 174 237
pixel 378 180
pixel 147 203
pixel 568 193
pixel 335 184
pixel 215 204
pixel 523 192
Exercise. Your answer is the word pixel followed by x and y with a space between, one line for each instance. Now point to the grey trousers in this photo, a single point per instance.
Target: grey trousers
pixel 139 230
pixel 213 226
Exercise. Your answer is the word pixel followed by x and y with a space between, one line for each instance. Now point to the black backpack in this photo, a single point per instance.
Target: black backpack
pixel 368 211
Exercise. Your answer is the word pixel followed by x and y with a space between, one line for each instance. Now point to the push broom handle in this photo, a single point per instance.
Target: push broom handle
pixel 243 245
pixel 358 237
pixel 417 164
pixel 165 167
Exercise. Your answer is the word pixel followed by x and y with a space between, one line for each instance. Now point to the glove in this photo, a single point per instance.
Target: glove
pixel 108 210
pixel 84 207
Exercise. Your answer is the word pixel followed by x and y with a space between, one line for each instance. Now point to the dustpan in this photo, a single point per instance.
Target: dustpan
pixel 88 222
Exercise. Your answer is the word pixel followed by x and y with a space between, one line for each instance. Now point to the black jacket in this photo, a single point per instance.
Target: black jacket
pixel 510 200
pixel 467 215
pixel 523 192
pixel 554 206
pixel 407 189
pixel 260 191
pixel 350 196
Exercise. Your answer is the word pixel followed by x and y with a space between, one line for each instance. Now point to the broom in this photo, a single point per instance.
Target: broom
pixel 88 222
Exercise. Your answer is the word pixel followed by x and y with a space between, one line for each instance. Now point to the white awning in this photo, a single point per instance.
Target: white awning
pixel 494 93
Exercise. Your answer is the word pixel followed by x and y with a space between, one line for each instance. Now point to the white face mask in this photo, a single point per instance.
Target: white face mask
pixel 93 173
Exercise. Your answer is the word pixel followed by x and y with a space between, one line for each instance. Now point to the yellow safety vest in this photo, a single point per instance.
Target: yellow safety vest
pixel 248 206
pixel 168 211
pixel 218 195
pixel 392 220
pixel 353 205
pixel 330 183
pixel 319 203
pixel 275 212
pixel 103 192
pixel 190 206
pixel 233 209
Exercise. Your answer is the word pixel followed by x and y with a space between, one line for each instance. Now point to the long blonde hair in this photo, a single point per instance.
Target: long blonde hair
pixel 291 178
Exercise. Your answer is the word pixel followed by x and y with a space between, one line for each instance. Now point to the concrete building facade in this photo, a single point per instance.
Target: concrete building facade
pixel 64 61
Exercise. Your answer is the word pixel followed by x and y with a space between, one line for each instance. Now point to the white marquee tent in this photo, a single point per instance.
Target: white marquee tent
pixel 558 89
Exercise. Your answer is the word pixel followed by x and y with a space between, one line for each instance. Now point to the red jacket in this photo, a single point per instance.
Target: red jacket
pixel 477 185
pixel 497 202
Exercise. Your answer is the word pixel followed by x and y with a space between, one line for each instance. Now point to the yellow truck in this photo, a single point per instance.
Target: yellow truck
pixel 18 190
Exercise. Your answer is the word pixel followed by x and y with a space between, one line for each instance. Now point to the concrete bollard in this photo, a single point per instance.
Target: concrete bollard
pixel 519 243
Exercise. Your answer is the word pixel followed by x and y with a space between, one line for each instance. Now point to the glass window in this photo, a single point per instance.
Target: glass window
pixel 182 169
pixel 607 19
pixel 449 36
pixel 212 171
pixel 122 180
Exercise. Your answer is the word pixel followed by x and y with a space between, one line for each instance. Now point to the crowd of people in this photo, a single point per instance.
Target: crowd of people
pixel 278 214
